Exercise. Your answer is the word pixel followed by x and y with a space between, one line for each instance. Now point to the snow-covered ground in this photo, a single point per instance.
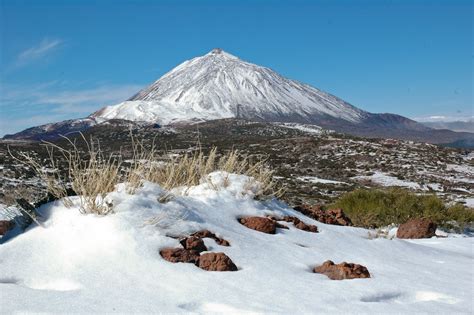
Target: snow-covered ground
pixel 468 202
pixel 387 180
pixel 304 127
pixel 314 179
pixel 85 263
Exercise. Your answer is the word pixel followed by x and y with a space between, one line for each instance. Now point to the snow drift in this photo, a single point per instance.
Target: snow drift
pixel 86 263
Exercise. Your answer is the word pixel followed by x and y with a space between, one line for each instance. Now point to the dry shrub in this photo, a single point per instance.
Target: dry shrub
pixel 189 169
pixel 51 176
pixel 91 175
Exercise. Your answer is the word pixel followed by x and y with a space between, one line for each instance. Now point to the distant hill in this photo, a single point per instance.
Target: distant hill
pixel 461 126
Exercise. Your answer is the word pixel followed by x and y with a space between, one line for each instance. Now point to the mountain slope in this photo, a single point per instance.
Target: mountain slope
pixel 219 85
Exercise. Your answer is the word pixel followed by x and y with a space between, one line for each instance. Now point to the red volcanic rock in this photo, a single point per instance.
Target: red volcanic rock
pixel 176 255
pixel 331 216
pixel 297 223
pixel 194 243
pixel 342 271
pixel 216 262
pixel 209 234
pixel 306 227
pixel 5 226
pixel 417 228
pixel 260 224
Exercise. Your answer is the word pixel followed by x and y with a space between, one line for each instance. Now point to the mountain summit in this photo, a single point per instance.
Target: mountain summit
pixel 220 85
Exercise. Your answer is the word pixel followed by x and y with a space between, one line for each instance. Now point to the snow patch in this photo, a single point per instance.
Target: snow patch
pixel 383 179
pixel 313 179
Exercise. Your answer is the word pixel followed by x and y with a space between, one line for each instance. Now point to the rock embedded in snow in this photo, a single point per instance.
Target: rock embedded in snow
pixel 176 255
pixel 417 228
pixel 331 216
pixel 5 226
pixel 261 224
pixel 342 271
pixel 194 243
pixel 55 269
pixel 209 234
pixel 306 227
pixel 216 262
pixel 300 224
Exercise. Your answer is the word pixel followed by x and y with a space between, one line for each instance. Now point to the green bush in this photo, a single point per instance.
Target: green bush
pixel 376 208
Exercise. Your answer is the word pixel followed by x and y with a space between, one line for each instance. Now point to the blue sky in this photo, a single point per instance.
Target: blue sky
pixel 66 59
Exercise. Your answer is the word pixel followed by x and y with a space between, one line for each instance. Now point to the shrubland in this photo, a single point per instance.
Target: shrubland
pixel 373 208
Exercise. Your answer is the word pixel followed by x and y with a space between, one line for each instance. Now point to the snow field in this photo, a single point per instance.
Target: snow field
pixel 85 263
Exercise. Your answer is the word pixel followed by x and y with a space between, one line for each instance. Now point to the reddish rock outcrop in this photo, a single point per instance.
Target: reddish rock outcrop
pixel 216 262
pixel 194 243
pixel 300 224
pixel 260 224
pixel 209 234
pixel 176 255
pixel 331 216
pixel 417 228
pixel 296 222
pixel 342 271
pixel 306 227
pixel 5 226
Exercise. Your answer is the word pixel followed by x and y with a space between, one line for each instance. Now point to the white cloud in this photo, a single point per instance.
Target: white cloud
pixel 445 118
pixel 28 106
pixel 45 47
pixel 73 101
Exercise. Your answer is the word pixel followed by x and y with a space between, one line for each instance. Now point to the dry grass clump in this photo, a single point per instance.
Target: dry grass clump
pixel 93 178
pixel 189 169
pixel 91 175
pixel 50 175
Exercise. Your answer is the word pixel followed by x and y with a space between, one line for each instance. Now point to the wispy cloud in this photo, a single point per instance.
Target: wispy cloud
pixel 39 51
pixel 448 117
pixel 27 106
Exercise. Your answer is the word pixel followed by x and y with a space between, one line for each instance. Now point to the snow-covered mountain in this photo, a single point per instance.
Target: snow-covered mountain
pixel 220 85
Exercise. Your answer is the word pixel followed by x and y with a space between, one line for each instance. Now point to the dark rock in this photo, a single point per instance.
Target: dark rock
pixel 222 242
pixel 291 219
pixel 194 243
pixel 5 226
pixel 176 255
pixel 417 228
pixel 342 271
pixel 281 226
pixel 260 224
pixel 297 223
pixel 331 216
pixel 216 262
pixel 209 234
pixel 306 227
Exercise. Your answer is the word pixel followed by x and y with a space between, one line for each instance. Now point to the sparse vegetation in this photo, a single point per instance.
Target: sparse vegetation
pixel 190 169
pixel 92 175
pixel 377 208
pixel 288 152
